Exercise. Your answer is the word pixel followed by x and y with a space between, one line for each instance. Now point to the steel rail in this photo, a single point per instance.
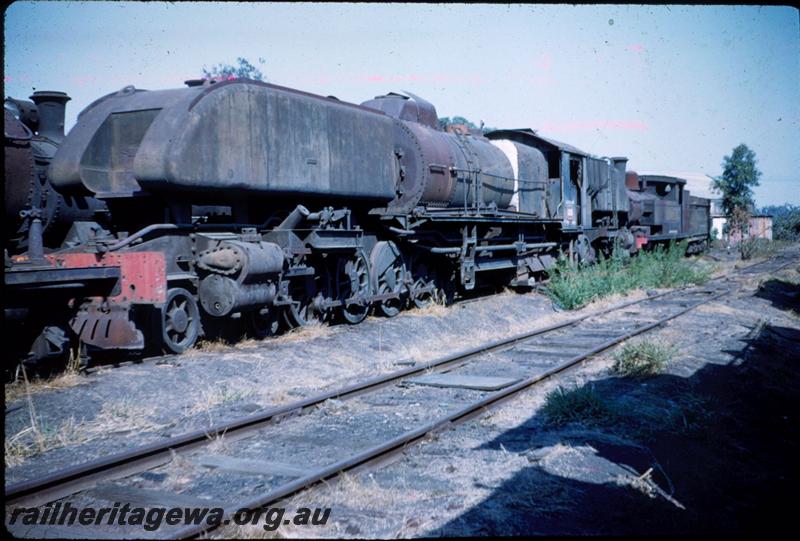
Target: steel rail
pixel 80 477
pixel 76 478
pixel 399 443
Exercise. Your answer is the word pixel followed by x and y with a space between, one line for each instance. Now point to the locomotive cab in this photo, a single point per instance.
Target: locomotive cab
pixel 663 206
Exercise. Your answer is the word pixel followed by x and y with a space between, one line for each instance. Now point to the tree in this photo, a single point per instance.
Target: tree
pixel 447 121
pixel 739 177
pixel 245 70
pixel 785 221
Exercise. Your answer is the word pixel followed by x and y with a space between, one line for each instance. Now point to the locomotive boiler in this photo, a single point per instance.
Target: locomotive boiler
pixel 33 132
pixel 247 200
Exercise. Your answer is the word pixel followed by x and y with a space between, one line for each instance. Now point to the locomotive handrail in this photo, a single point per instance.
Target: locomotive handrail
pixel 139 234
pixel 495 248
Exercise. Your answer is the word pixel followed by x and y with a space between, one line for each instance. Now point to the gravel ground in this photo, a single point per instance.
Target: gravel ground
pixel 508 473
pixel 707 446
pixel 117 407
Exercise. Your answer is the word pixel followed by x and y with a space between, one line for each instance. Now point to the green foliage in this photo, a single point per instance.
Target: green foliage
pixel 739 176
pixel 755 247
pixel 785 221
pixel 446 121
pixel 243 70
pixel 582 404
pixel 573 287
pixel 641 359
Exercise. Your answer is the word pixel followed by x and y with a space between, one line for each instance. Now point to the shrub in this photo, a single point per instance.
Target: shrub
pixel 573 287
pixel 581 404
pixel 641 359
pixel 785 221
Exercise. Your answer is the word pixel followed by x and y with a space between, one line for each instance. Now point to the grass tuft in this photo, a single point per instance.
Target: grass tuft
pixel 641 359
pixel 575 287
pixel 582 404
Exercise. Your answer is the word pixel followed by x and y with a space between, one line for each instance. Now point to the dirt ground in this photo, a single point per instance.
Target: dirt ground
pixel 706 446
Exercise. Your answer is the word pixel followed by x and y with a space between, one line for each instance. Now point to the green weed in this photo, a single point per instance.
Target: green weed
pixel 581 404
pixel 641 359
pixel 574 287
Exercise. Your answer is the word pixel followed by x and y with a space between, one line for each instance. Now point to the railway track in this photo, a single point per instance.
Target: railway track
pixel 276 453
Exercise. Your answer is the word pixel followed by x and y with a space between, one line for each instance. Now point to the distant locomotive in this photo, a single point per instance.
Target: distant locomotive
pixel 250 200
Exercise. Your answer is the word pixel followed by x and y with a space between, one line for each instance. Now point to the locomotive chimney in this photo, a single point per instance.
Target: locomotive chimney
pixel 52 106
pixel 620 164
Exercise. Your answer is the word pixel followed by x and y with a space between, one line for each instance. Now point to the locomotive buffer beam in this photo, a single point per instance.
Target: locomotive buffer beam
pixel 102 279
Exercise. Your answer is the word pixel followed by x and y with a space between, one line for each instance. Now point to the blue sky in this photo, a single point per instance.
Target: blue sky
pixel 674 88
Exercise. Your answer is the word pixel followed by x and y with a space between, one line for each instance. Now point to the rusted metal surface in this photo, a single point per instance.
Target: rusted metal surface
pixel 106 326
pixel 27 156
pixel 251 138
pixel 244 161
pixel 21 185
pixel 143 278
pixel 51 105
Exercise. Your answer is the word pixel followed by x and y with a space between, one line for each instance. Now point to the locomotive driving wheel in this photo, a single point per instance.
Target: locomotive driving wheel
pixel 306 306
pixel 389 273
pixel 425 279
pixel 354 282
pixel 391 282
pixel 180 321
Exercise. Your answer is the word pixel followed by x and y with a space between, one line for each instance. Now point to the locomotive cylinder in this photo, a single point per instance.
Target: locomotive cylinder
pixel 238 276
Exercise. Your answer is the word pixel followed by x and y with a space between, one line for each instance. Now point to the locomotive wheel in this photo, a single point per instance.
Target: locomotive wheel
pixel 389 273
pixel 263 325
pixel 585 252
pixel 389 307
pixel 305 307
pixel 422 300
pixel 424 278
pixel 180 321
pixel 354 282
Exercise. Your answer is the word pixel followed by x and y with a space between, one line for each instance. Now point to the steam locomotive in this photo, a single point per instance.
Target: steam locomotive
pixel 164 211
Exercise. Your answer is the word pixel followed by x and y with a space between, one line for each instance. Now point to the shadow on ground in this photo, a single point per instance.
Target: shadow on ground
pixel 722 443
pixel 782 294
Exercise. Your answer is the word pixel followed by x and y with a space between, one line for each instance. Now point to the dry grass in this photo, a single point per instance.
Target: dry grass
pixel 718 308
pixel 358 491
pixel 39 438
pixel 612 300
pixel 217 444
pixel 20 388
pixel 434 309
pixel 126 415
pixel 306 332
pixel 209 399
pixel 212 346
pixel 788 275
